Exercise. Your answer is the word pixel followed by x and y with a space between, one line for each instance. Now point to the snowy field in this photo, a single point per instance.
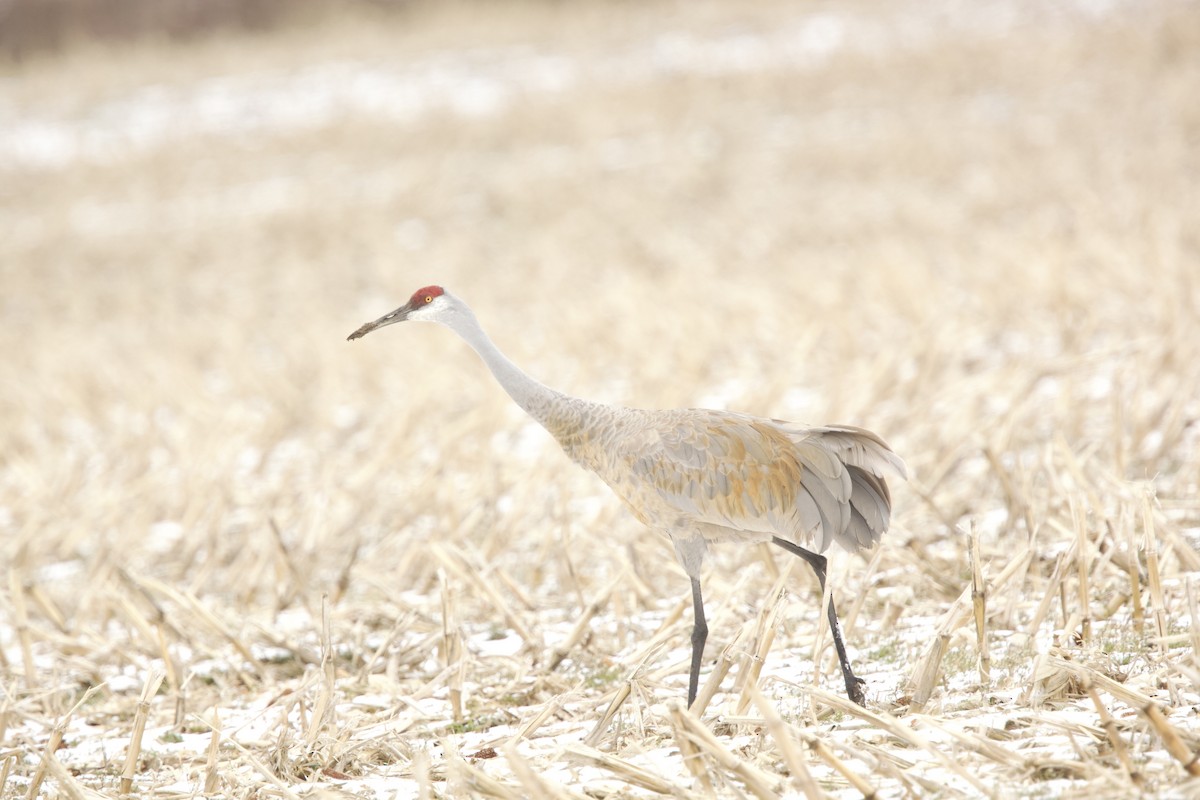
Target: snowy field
pixel 245 558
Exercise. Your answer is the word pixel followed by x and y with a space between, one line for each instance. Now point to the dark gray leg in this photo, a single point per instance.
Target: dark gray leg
pixel 699 636
pixel 854 684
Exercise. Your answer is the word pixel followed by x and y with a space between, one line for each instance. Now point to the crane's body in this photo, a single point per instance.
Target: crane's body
pixel 703 476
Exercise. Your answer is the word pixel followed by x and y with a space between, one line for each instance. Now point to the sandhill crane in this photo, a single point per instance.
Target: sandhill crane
pixel 703 476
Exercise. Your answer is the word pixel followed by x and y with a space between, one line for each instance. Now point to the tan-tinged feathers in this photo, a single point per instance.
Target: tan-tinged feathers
pixel 701 476
pixel 728 475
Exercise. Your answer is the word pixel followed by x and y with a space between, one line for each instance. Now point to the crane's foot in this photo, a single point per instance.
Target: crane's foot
pixel 854 690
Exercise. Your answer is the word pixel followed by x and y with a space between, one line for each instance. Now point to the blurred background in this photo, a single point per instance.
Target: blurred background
pixel 971 227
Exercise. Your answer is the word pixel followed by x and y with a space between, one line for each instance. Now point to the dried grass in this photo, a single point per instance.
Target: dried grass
pixel 358 571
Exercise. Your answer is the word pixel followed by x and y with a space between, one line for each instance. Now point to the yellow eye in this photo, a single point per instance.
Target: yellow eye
pixel 428 298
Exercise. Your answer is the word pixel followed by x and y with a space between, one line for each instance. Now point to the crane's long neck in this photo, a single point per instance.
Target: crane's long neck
pixel 562 415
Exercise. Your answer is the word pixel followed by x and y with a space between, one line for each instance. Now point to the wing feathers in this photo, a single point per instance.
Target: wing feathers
pixel 723 470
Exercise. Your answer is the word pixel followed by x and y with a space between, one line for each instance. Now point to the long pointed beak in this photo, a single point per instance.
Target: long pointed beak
pixel 399 315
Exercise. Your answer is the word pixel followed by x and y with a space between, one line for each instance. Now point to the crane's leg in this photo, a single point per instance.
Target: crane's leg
pixel 854 683
pixel 699 636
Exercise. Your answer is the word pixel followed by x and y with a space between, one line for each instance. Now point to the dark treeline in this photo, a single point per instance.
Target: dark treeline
pixel 32 27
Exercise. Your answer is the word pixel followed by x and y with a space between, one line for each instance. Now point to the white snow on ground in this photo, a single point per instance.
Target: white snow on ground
pixel 471 85
pixel 381 717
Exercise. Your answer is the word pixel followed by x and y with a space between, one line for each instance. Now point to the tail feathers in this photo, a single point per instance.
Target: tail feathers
pixel 868 461
pixel 870 511
pixel 859 447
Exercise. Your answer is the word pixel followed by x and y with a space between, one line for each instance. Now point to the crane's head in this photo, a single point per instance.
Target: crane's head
pixel 431 304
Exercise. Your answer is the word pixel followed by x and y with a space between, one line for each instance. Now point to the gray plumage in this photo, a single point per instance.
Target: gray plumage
pixel 703 476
